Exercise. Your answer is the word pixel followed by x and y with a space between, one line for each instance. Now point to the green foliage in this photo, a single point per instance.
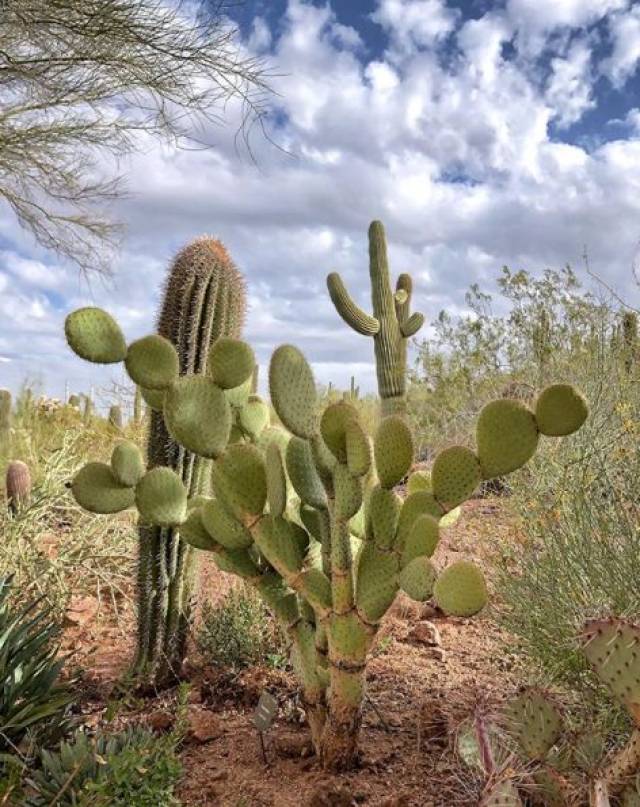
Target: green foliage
pixel 239 632
pixel 132 767
pixel 32 700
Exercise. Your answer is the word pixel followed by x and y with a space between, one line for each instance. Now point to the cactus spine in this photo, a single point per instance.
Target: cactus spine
pixel 391 324
pixel 18 485
pixel 204 299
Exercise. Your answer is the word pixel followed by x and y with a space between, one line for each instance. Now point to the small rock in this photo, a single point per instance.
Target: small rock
pixel 426 633
pixel 327 796
pixel 440 654
pixel 202 725
pixel 160 721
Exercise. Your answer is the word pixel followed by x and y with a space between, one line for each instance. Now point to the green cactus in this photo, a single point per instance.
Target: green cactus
pixel 391 324
pixel 204 299
pixel 5 414
pixel 630 339
pixel 138 402
pixel 115 417
pixel 311 520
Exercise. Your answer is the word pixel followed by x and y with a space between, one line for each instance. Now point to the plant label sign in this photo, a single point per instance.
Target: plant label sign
pixel 266 711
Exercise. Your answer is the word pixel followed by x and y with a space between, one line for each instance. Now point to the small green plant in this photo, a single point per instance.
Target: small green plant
pixel 239 632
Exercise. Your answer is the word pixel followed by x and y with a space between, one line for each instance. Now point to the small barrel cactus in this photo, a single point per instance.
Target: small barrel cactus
pixel 18 485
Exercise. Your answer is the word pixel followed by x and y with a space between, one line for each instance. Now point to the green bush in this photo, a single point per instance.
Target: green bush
pixel 132 767
pixel 579 503
pixel 239 632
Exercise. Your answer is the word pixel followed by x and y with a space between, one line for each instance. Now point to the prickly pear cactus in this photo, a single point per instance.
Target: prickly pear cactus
pixel 309 516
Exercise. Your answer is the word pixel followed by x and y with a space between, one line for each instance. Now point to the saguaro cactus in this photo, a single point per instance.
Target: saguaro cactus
pixel 5 414
pixel 115 417
pixel 137 406
pixel 391 324
pixel 630 339
pixel 310 517
pixel 204 299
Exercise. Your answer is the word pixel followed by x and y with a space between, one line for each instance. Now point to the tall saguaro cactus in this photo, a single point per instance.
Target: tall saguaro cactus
pixel 391 324
pixel 204 299
pixel 309 517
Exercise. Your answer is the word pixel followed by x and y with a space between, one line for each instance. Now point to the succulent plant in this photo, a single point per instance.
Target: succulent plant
pixel 391 324
pixel 308 516
pixel 18 485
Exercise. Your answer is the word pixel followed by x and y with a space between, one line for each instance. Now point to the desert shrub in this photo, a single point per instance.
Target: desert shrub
pixel 33 702
pixel 132 767
pixel 54 549
pixel 239 632
pixel 579 539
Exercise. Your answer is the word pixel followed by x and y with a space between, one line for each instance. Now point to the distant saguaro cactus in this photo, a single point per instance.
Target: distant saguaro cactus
pixel 137 406
pixel 18 485
pixel 87 411
pixel 115 416
pixel 5 413
pixel 630 339
pixel 391 324
pixel 204 299
pixel 74 401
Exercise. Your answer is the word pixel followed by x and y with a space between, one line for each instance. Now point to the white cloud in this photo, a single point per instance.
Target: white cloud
pixel 625 33
pixel 455 157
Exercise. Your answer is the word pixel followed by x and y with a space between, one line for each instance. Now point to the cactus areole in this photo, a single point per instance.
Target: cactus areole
pixel 308 515
pixel 391 324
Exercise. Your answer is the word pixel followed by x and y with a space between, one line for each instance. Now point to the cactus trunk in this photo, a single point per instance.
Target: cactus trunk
pixel 204 299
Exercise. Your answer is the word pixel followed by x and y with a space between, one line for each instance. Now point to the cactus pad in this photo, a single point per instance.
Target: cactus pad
pixel 348 492
pixel 282 543
pixel 302 473
pixel 95 336
pixel 455 475
pixel 417 579
pixel 254 416
pixel 560 410
pixel 358 450
pixel 198 415
pixel 501 794
pixel 223 527
pixel 507 436
pixel 240 479
pixel 276 480
pixel 416 504
pixel 384 514
pixel 127 463
pixel 96 489
pixel 419 480
pixel 393 450
pixel 422 539
pixel 153 398
pixel 534 722
pixel 293 391
pixel 377 582
pixel 231 362
pixel 194 533
pixel 161 498
pixel 334 426
pixel 612 647
pixel 152 362
pixel 461 590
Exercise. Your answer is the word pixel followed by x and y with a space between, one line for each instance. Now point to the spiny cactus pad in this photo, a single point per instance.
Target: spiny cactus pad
pixel 348 493
pixel 152 362
pixel 96 489
pixel 276 480
pixel 223 527
pixel 535 723
pixel 127 463
pixel 419 480
pixel 231 362
pixel 161 498
pixel 153 398
pixel 254 416
pixel 281 542
pixel 501 794
pixel 612 647
pixel 293 391
pixel 415 505
pixel 377 582
pixel 560 410
pixel 358 450
pixel 384 511
pixel 393 450
pixel 422 539
pixel 198 415
pixel 334 426
pixel 417 579
pixel 302 473
pixel 240 479
pixel 194 533
pixel 461 590
pixel 455 475
pixel 95 336
pixel 506 435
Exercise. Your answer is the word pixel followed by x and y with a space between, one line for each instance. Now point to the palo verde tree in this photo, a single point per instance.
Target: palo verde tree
pixel 81 81
pixel 308 515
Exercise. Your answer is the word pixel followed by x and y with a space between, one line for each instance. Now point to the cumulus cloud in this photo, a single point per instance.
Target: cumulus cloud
pixel 450 149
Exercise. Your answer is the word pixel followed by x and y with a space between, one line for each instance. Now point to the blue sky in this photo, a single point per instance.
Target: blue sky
pixel 481 133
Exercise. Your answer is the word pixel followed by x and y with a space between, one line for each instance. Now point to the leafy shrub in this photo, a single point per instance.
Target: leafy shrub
pixel 579 504
pixel 32 701
pixel 133 767
pixel 239 632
